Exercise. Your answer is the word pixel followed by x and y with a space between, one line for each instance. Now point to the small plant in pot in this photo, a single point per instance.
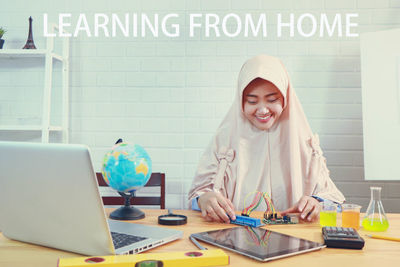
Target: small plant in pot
pixel 2 32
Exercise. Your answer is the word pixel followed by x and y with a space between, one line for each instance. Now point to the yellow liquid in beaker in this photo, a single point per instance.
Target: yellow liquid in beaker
pixel 375 225
pixel 327 218
pixel 351 219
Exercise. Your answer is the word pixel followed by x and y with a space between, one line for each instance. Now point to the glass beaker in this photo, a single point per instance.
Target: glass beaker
pixel 375 218
pixel 327 215
pixel 351 215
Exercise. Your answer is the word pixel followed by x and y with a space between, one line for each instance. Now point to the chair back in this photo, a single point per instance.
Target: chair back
pixel 111 197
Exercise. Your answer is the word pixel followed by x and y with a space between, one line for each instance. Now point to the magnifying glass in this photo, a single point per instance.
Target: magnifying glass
pixel 172 219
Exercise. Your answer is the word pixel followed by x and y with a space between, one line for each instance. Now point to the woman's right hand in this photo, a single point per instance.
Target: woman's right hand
pixel 215 207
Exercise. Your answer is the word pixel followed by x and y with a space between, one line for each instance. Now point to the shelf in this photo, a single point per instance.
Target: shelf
pixel 48 57
pixel 28 128
pixel 24 53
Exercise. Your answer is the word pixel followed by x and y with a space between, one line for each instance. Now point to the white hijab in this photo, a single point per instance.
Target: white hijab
pixel 285 161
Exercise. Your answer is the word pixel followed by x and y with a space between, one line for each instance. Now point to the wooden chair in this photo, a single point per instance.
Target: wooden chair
pixel 156 179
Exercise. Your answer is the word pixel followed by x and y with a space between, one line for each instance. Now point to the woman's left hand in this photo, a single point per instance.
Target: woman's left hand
pixel 308 206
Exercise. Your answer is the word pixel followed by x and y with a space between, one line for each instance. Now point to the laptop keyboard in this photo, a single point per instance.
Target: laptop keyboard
pixel 122 240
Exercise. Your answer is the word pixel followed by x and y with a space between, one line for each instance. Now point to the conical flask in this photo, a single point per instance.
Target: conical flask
pixel 375 218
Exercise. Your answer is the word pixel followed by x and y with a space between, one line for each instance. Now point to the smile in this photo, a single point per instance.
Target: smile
pixel 264 118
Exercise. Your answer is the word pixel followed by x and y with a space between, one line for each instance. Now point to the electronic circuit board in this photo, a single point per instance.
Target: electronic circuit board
pixel 276 219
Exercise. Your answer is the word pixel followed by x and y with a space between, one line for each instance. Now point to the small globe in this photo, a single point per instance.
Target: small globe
pixel 127 167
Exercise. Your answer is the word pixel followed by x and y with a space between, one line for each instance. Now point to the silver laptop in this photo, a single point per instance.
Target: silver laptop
pixel 49 196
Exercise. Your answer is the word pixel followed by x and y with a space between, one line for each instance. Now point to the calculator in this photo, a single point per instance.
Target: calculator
pixel 342 237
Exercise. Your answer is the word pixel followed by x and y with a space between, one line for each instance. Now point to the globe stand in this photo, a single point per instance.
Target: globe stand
pixel 127 212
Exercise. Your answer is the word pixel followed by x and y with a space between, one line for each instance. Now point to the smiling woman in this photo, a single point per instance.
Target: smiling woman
pixel 262 103
pixel 263 144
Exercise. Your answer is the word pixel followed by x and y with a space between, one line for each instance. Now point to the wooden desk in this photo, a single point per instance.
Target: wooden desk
pixel 375 253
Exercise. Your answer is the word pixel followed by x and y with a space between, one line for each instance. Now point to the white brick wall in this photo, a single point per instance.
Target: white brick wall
pixel 169 95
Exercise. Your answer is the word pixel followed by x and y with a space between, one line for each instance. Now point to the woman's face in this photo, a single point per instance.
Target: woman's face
pixel 262 103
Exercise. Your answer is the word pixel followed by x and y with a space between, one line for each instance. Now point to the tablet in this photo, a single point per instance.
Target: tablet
pixel 258 243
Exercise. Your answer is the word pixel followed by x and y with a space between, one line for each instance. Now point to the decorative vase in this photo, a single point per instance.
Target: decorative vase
pixel 29 43
pixel 1 43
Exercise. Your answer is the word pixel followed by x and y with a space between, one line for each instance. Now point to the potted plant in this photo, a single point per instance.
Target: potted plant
pixel 2 32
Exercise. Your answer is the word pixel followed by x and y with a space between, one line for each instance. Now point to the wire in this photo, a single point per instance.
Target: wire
pixel 270 204
pixel 256 202
pixel 253 205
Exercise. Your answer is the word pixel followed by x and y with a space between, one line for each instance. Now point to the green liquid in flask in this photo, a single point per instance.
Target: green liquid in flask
pixel 327 218
pixel 375 225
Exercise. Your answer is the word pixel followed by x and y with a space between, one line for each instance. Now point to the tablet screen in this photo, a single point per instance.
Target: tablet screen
pixel 258 243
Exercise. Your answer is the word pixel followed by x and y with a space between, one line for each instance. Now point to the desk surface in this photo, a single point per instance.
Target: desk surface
pixel 376 252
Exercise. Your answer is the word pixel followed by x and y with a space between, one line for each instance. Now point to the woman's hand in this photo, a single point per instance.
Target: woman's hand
pixel 309 208
pixel 215 207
